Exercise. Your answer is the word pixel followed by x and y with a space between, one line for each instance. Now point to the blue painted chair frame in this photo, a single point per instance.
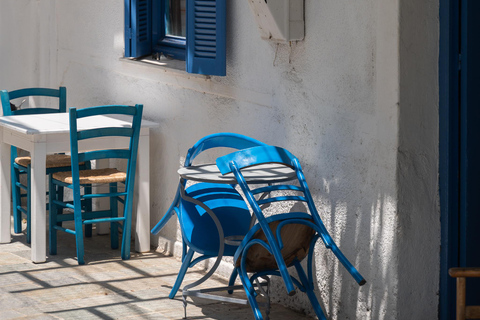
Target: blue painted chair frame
pixel 235 162
pixel 18 169
pixel 182 196
pixel 111 215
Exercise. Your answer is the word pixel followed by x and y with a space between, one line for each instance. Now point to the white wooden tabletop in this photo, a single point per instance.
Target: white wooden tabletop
pixel 265 173
pixel 59 123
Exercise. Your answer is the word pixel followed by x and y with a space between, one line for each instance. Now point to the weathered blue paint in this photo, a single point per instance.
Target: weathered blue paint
pixel 138 28
pixel 206 37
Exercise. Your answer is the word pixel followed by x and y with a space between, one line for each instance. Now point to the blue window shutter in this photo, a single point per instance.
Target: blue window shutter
pixel 206 37
pixel 138 28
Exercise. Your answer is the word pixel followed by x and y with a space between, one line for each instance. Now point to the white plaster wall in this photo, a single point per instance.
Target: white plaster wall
pixel 335 100
pixel 28 42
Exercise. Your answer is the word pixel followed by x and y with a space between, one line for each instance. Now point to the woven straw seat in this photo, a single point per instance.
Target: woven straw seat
pixel 53 161
pixel 93 176
pixel 296 240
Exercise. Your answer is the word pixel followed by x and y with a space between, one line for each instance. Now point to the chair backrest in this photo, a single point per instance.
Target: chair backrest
pixel 235 162
pixel 132 132
pixel 7 96
pixel 281 192
pixel 222 200
pixel 288 232
pixel 8 108
pixel 218 140
pixel 465 311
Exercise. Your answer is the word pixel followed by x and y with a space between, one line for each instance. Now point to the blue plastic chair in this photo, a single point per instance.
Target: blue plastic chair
pixel 208 212
pixel 281 240
pixel 76 178
pixel 21 165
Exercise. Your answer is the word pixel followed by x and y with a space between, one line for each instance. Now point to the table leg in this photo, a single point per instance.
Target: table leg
pixel 38 197
pixel 5 189
pixel 142 196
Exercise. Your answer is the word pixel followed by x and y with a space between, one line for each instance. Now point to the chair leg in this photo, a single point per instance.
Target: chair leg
pixel 251 297
pixel 309 290
pixel 181 274
pixel 88 208
pixel 461 297
pixel 58 195
pixel 114 213
pixel 16 201
pixel 79 232
pixel 233 277
pixel 52 216
pixel 348 265
pixel 127 226
pixel 88 202
pixel 29 205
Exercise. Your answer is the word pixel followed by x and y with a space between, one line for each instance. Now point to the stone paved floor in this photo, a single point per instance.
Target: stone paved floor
pixel 105 288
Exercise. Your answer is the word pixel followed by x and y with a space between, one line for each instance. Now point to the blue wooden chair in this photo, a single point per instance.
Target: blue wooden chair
pixel 284 239
pixel 208 212
pixel 21 164
pixel 77 178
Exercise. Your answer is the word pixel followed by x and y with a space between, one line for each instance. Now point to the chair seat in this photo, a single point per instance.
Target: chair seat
pixel 296 239
pixel 94 176
pixel 198 228
pixel 52 161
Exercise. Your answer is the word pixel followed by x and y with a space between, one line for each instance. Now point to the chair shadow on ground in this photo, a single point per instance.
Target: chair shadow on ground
pixel 107 287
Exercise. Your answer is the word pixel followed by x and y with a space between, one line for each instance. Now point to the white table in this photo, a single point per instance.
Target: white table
pixel 49 133
pixel 264 173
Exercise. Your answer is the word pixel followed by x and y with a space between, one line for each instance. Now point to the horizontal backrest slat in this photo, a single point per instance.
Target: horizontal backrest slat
pixel 218 140
pixel 103 110
pixel 6 96
pixel 282 198
pixel 104 154
pixel 34 111
pixel 254 156
pixel 104 132
pixel 276 188
pixel 48 92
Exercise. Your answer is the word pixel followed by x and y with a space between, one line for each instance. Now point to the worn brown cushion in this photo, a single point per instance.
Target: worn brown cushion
pixel 53 161
pixel 93 176
pixel 296 240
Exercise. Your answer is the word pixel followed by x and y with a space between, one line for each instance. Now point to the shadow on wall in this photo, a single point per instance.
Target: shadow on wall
pixel 417 161
pixel 367 236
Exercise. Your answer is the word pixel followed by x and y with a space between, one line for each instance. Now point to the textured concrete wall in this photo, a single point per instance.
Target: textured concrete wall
pixel 356 101
pixel 417 171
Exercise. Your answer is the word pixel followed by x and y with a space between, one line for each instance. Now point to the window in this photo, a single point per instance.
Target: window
pixel 172 28
pixel 190 30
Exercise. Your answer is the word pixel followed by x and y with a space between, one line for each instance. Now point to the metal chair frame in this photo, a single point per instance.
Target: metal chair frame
pixel 180 203
pixel 239 160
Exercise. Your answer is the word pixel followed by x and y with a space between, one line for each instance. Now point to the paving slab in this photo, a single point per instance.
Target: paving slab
pixel 106 287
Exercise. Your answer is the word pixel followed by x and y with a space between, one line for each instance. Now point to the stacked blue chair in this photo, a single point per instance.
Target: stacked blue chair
pixel 284 239
pixel 77 178
pixel 208 213
pixel 21 165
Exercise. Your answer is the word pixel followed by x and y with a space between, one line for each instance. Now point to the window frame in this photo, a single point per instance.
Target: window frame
pixel 205 50
pixel 172 47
